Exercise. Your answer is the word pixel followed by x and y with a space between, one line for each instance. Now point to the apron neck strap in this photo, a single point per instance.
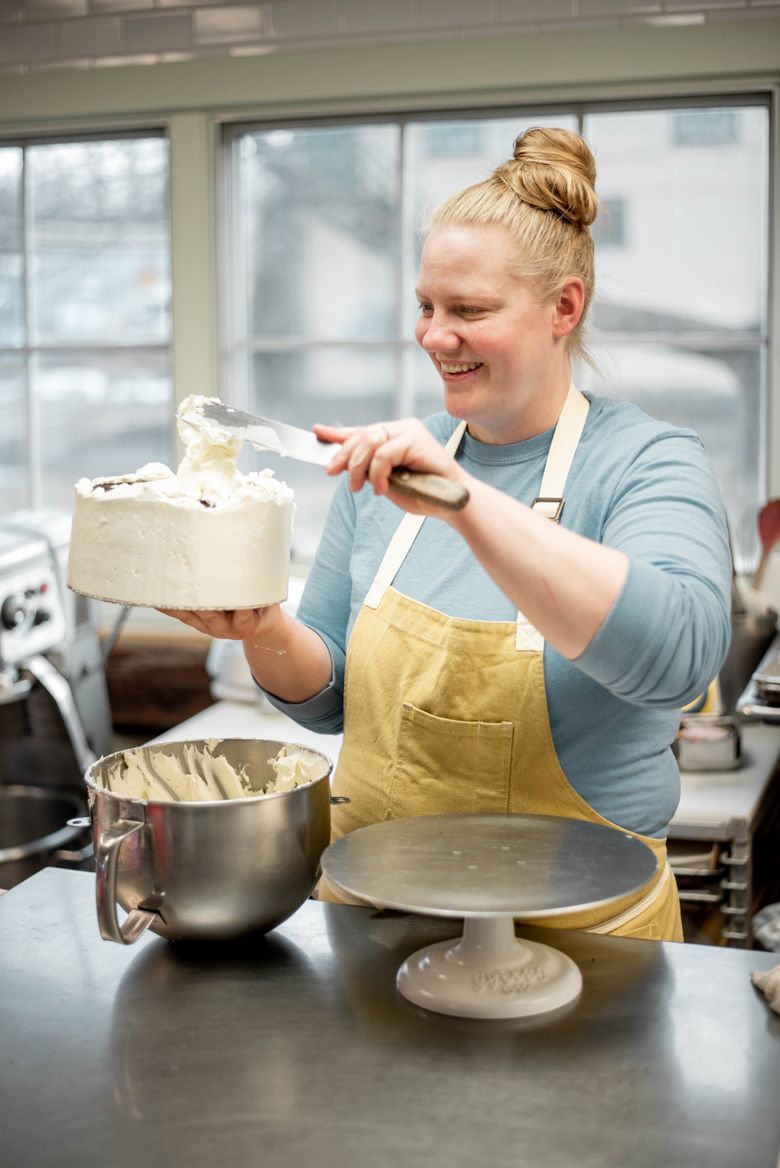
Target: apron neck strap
pixel 565 440
pixel 406 533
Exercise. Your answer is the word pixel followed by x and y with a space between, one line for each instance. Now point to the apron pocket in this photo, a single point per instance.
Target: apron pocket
pixel 443 765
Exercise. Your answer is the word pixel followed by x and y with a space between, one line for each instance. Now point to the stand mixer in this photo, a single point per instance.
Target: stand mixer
pixel 54 712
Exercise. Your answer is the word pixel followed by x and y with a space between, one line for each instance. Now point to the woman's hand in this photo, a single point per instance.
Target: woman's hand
pixel 241 624
pixel 371 453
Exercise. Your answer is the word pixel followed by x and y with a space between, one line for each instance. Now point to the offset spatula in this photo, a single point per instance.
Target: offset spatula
pixel 305 446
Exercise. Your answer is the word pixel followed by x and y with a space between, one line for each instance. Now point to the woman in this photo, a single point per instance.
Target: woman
pixel 491 659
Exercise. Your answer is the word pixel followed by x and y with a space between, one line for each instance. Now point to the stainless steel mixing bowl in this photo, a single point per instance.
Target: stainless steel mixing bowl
pixel 212 870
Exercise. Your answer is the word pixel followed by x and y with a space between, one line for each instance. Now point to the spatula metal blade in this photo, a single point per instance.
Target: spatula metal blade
pixel 268 434
pixel 304 445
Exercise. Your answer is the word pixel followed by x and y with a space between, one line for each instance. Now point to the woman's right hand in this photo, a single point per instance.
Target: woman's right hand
pixel 368 454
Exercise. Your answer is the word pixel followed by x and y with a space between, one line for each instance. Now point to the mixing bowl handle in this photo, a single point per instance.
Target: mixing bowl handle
pixel 138 920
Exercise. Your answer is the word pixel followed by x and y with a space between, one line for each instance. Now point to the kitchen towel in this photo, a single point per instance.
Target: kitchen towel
pixel 768 981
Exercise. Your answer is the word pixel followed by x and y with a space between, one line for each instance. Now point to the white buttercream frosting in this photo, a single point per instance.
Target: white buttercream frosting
pixel 205 537
pixel 295 766
pixel 203 775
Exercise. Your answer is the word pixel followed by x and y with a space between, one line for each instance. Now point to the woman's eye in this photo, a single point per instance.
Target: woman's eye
pixel 425 309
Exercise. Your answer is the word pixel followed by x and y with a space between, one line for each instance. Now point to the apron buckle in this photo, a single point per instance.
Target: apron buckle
pixel 551 506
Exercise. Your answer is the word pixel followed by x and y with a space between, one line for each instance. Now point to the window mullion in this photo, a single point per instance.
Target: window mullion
pixel 771 383
pixel 404 366
pixel 35 480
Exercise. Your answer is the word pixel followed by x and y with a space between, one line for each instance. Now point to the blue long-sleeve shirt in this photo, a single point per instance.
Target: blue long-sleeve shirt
pixel 636 484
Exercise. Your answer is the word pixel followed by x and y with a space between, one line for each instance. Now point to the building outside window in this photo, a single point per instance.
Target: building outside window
pixel 324 223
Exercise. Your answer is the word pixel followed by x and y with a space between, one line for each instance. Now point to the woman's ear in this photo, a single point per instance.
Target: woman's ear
pixel 568 306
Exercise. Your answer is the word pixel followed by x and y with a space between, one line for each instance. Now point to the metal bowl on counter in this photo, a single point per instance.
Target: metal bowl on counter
pixel 211 870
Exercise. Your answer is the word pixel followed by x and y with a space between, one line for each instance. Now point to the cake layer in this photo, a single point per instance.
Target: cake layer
pixel 170 555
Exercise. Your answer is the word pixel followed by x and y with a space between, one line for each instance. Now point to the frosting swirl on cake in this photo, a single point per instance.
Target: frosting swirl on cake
pixel 206 476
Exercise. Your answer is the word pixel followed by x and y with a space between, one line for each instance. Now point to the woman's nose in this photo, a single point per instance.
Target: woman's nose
pixel 436 334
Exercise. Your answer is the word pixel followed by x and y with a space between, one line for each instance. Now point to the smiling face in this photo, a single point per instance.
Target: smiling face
pixel 501 354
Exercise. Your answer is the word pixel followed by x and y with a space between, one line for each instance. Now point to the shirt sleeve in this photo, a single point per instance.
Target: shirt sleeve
pixel 325 608
pixel 667 634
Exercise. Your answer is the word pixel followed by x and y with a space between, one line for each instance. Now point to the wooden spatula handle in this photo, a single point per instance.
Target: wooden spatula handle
pixel 429 487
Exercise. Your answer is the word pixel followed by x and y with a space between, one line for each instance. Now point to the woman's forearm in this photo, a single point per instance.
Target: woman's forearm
pixel 287 658
pixel 563 583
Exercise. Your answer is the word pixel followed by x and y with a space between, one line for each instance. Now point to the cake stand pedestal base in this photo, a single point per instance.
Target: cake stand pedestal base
pixel 489 973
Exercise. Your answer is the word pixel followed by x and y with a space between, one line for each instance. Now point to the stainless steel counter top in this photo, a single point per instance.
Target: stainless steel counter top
pixel 298 1051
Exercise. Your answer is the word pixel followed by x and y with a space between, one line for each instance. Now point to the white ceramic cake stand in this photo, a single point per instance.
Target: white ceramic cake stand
pixel 488 870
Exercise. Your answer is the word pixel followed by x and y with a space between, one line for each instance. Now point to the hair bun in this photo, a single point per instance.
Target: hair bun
pixel 555 171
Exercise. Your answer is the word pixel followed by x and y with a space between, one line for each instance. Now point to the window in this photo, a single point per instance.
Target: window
pixel 609 230
pixel 324 229
pixel 454 140
pixel 85 383
pixel 705 127
pixel 680 319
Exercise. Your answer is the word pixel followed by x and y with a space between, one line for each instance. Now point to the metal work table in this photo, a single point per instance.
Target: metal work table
pixel 297 1051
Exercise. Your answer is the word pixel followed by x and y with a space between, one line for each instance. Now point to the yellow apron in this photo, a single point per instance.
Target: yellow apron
pixel 449 715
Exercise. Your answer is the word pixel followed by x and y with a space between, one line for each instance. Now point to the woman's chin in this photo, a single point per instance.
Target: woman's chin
pixel 458 401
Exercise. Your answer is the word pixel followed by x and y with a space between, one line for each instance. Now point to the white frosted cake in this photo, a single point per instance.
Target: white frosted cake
pixel 207 537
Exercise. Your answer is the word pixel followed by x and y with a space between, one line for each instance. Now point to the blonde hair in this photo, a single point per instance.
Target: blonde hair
pixel 545 196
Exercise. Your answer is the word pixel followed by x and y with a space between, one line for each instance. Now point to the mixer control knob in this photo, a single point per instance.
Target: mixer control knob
pixel 13 612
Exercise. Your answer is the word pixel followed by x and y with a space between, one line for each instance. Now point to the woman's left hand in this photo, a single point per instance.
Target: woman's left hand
pixel 370 453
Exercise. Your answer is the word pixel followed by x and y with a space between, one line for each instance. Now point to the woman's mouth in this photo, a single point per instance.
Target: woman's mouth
pixel 458 368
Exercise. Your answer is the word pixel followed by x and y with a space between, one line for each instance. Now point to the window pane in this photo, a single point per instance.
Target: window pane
pixel 100 253
pixel 337 385
pixel 717 394
pixel 101 416
pixel 318 229
pixel 682 246
pixel 11 289
pixel 14 472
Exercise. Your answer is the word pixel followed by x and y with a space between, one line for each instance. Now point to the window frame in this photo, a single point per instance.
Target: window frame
pixel 27 353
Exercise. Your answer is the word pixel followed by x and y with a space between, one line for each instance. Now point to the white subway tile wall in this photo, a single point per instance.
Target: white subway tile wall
pixel 99 36
pixel 228 24
pixel 318 17
pixel 35 34
pixel 158 32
